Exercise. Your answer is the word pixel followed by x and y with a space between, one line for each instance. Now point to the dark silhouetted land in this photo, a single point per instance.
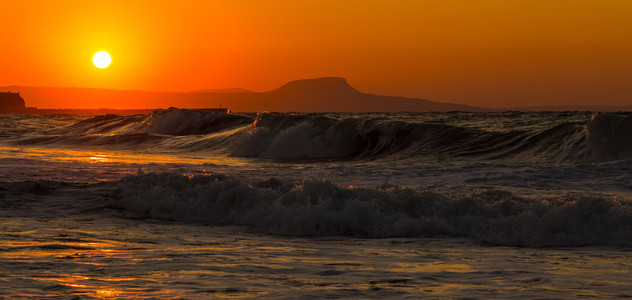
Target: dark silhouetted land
pixel 13 103
pixel 310 95
pixel 329 94
pixel 9 100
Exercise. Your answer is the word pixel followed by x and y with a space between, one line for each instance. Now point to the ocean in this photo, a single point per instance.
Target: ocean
pixel 188 204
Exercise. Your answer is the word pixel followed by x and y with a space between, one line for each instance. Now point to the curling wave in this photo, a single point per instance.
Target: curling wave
pixel 509 136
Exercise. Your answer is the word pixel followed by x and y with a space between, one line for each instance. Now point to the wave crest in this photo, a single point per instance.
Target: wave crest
pixel 305 137
pixel 514 137
pixel 190 122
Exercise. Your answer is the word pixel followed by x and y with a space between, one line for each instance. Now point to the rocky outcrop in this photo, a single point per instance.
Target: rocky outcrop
pixel 11 101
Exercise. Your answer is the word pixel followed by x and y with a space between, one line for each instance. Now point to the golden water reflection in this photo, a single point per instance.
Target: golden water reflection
pixel 97 158
pixel 432 267
pixel 124 157
pixel 81 256
pixel 119 258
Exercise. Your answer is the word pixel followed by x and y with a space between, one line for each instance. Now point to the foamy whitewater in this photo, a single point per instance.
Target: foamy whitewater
pixel 190 204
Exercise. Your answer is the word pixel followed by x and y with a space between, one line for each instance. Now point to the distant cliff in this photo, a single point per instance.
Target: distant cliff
pixel 11 102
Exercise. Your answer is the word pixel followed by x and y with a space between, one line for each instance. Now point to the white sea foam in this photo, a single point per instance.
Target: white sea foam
pixel 321 208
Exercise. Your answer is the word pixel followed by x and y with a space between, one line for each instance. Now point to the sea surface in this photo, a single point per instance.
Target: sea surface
pixel 190 204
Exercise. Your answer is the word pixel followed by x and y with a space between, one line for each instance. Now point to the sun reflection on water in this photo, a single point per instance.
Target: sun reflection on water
pixel 108 293
pixel 122 157
pixel 98 158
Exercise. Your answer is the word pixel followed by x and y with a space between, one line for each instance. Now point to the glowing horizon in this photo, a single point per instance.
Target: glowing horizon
pixel 490 53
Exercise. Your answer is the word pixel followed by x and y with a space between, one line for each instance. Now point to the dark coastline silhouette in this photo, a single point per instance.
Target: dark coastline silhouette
pixel 327 94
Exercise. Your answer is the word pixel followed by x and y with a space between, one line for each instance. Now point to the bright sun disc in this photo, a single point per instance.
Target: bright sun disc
pixel 101 59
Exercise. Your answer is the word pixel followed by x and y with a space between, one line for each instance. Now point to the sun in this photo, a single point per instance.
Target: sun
pixel 101 59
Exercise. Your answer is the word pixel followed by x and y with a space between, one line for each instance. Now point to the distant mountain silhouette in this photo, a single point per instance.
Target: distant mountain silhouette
pixel 319 87
pixel 329 94
pixel 335 94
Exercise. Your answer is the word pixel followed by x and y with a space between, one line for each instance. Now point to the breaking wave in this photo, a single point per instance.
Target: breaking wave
pixel 509 136
pixel 321 208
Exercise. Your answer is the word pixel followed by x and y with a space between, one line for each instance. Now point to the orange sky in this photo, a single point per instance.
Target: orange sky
pixel 494 53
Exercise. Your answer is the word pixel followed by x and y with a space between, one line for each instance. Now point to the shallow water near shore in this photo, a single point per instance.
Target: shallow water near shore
pixel 93 256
